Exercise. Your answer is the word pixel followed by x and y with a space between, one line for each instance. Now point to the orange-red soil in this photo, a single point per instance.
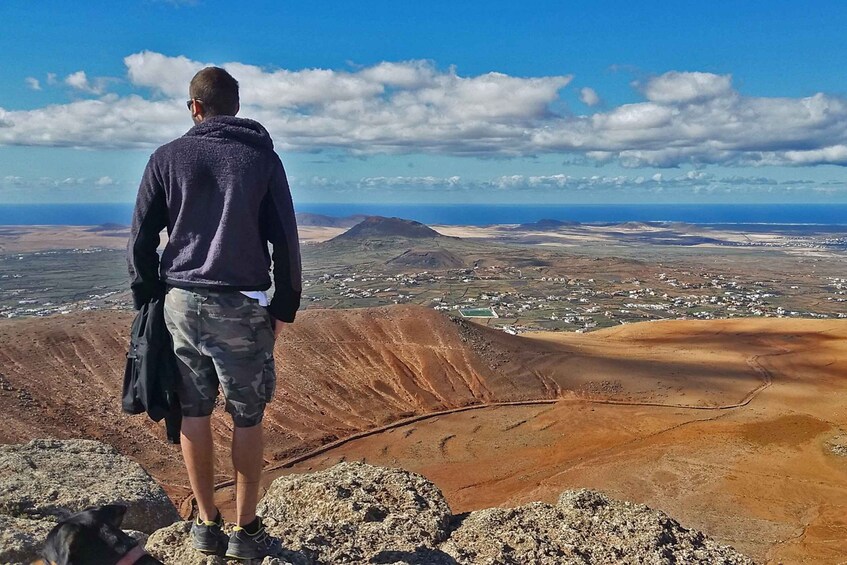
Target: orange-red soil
pixel 729 426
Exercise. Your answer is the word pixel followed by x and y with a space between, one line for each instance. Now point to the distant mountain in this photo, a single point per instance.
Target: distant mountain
pixel 427 259
pixel 639 225
pixel 547 225
pixel 320 220
pixel 378 227
pixel 108 227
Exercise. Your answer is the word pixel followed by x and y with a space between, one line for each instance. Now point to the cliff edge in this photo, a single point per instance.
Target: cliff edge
pixel 359 513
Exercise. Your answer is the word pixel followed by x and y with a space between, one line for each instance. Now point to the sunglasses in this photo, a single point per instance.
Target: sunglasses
pixel 188 103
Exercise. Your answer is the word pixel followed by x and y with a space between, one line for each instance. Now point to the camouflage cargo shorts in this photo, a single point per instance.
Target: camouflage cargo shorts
pixel 226 338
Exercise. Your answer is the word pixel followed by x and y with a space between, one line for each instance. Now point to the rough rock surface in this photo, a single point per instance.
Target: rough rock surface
pixel 584 527
pixel 357 513
pixel 53 479
pixel 22 538
pixel 172 545
pixel 353 513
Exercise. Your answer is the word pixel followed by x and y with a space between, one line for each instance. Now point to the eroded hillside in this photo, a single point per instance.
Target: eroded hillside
pixel 737 426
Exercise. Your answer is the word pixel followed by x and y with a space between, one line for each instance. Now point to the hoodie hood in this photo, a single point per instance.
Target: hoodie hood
pixel 230 127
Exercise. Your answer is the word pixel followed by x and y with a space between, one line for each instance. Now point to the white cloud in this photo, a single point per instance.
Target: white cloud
pixel 417 182
pixel 692 184
pixel 79 81
pixel 166 75
pixel 51 183
pixel 687 87
pixel 414 107
pixel 51 79
pixel 589 96
pixel 109 122
pixel 33 83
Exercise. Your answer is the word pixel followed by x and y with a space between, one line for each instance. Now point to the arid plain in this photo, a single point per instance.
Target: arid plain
pixel 737 427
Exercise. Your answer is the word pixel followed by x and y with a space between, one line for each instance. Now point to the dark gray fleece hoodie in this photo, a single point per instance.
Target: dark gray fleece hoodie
pixel 221 192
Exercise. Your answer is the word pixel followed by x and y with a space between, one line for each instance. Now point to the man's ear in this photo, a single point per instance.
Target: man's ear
pixel 237 109
pixel 197 110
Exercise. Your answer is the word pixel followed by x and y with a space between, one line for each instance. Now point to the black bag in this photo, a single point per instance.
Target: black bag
pixel 152 374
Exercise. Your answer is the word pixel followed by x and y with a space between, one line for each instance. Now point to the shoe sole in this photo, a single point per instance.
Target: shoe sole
pixel 242 558
pixel 216 550
pixel 234 556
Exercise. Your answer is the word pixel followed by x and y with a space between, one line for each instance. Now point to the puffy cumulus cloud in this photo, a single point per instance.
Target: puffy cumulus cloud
pixel 720 127
pixel 371 92
pixel 689 185
pixel 589 96
pixel 51 183
pixel 410 181
pixel 687 87
pixel 834 154
pixel 79 81
pixel 109 122
pixel 686 118
pixel 12 180
pixel 33 83
pixel 165 75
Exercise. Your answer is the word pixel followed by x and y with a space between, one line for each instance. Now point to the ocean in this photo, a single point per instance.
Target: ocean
pixel 477 214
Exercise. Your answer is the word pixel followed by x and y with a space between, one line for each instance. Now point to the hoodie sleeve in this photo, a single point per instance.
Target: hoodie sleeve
pixel 149 218
pixel 281 230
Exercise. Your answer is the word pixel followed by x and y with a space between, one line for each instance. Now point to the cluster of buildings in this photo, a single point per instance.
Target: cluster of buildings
pixel 516 299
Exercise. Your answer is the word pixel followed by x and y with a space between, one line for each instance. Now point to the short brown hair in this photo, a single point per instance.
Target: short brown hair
pixel 216 90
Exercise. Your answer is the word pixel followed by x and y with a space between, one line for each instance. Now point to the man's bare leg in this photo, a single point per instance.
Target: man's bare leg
pixel 247 460
pixel 198 452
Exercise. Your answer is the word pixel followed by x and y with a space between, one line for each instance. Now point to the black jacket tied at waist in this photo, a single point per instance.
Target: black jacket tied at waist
pixel 152 374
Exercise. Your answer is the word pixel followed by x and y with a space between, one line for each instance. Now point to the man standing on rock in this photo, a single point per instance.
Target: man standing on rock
pixel 221 192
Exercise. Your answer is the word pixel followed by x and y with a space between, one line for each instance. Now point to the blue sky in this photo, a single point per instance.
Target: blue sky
pixel 534 102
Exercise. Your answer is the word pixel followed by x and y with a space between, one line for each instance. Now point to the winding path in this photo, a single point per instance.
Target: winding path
pixel 186 505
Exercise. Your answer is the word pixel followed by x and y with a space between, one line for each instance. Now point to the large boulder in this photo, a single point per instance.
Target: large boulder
pixel 172 545
pixel 21 539
pixel 47 480
pixel 357 513
pixel 351 513
pixel 585 527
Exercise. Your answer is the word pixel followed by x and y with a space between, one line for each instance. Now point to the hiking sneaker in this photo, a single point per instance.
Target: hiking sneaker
pixel 207 536
pixel 244 545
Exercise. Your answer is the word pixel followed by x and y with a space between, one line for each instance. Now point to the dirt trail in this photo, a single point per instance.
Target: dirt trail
pixel 702 468
pixel 526 416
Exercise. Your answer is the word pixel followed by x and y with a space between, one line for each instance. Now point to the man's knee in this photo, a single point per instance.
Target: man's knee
pixel 194 426
pixel 248 420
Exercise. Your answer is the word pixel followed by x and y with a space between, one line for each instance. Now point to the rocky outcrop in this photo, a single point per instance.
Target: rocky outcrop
pixel 357 513
pixel 350 513
pixel 354 512
pixel 172 545
pixel 583 527
pixel 46 480
pixel 22 538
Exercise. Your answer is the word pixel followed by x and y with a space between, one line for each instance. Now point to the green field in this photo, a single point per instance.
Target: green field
pixel 478 313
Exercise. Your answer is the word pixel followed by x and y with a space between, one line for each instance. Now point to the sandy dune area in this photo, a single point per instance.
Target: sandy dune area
pixel 29 239
pixel 732 426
